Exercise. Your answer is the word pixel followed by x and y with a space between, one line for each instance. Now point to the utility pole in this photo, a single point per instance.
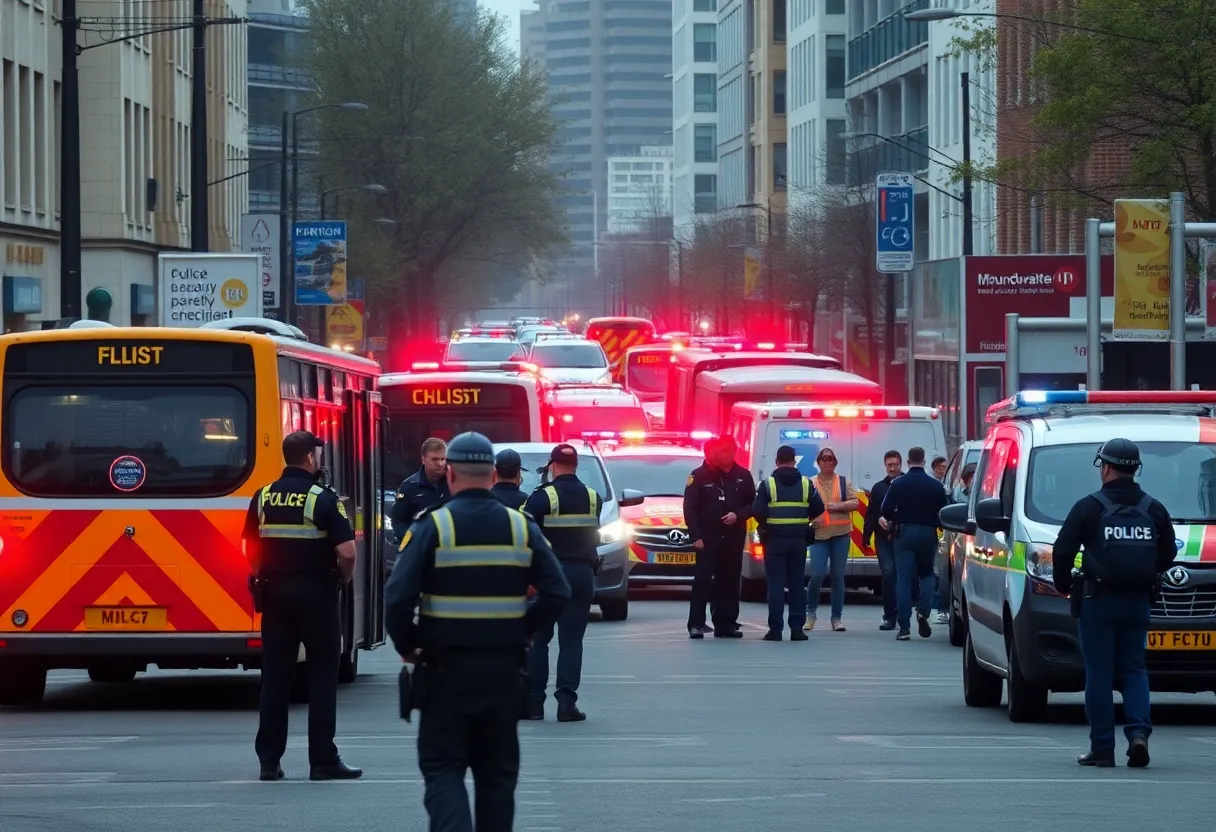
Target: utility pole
pixel 69 177
pixel 968 211
pixel 199 213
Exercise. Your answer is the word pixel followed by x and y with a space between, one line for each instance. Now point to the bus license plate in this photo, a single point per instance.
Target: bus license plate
pixel 125 618
pixel 1182 640
pixel 682 558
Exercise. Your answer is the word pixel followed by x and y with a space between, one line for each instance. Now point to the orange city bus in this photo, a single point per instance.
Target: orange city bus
pixel 130 456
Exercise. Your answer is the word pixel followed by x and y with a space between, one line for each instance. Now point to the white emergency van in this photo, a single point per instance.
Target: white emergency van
pixel 860 436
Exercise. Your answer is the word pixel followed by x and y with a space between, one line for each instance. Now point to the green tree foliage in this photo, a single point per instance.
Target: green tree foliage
pixel 1134 74
pixel 458 131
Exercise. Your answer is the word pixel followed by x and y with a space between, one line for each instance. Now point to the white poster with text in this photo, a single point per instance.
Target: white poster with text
pixel 197 288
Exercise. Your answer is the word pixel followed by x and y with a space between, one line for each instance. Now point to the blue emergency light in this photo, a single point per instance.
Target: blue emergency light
pixel 1028 403
pixel 795 435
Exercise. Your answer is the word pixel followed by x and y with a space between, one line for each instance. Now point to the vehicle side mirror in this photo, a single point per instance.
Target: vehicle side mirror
pixel 990 516
pixel 953 518
pixel 630 497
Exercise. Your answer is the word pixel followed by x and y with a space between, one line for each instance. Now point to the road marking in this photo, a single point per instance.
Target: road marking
pixel 536 802
pixel 1008 742
pixel 23 742
pixel 143 806
pixel 639 634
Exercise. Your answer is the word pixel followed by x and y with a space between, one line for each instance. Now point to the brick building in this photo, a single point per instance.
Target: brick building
pixel 1027 223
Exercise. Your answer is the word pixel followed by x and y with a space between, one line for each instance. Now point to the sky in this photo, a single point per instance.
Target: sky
pixel 510 8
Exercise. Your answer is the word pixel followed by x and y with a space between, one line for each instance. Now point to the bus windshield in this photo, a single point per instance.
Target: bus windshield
pixel 443 410
pixel 146 440
pixel 1181 475
pixel 647 374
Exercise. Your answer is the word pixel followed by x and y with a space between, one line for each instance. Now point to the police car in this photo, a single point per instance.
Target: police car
pixel 1037 461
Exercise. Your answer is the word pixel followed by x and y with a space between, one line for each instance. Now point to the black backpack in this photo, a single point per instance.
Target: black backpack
pixel 1126 557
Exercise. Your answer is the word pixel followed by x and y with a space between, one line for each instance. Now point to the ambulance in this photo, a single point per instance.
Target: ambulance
pixel 860 436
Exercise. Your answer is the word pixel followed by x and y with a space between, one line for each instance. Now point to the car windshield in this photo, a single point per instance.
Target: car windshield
pixel 491 351
pixel 589 471
pixel 528 335
pixel 1181 475
pixel 652 475
pixel 575 356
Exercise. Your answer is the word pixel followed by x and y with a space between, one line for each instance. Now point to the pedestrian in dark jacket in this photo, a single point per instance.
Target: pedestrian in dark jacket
pixel 881 540
pixel 507 478
pixel 910 511
pixel 426 487
pixel 717 505
pixel 785 505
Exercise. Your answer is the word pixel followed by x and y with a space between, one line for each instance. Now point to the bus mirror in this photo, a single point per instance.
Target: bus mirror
pixel 630 497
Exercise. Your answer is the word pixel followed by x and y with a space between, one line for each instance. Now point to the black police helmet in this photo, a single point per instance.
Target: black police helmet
pixel 1120 454
pixel 472 448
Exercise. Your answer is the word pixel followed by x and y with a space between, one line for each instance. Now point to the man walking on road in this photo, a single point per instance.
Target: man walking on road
pixel 882 541
pixel 785 505
pixel 910 512
pixel 717 504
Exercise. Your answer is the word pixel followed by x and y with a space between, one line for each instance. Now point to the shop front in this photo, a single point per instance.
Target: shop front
pixel 26 277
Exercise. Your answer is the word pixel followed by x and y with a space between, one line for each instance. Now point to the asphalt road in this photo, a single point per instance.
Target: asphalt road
pixel 849 731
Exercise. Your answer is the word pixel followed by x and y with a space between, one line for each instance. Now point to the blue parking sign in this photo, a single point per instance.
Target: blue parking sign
pixel 895 222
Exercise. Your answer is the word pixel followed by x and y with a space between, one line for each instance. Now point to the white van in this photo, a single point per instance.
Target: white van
pixel 859 435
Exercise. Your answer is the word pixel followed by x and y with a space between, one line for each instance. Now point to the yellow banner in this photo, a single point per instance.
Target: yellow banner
pixel 751 275
pixel 344 324
pixel 1142 270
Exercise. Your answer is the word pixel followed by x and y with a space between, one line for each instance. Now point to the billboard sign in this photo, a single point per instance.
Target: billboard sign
pixel 895 223
pixel 319 250
pixel 1142 270
pixel 1031 285
pixel 197 288
pixel 260 235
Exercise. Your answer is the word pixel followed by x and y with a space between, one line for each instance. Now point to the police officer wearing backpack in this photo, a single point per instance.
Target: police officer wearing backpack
pixel 1128 542
pixel 568 512
pixel 785 505
pixel 465 567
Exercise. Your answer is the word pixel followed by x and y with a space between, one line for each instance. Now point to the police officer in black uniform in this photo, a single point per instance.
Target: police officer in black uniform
pixel 301 549
pixel 785 505
pixel 718 501
pixel 507 478
pixel 910 510
pixel 1128 541
pixel 465 567
pixel 569 513
pixel 423 489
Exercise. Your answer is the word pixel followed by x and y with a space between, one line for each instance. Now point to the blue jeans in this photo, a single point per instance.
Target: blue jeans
pixel 885 550
pixel 940 599
pixel 571 626
pixel 831 555
pixel 784 567
pixel 1114 639
pixel 914 550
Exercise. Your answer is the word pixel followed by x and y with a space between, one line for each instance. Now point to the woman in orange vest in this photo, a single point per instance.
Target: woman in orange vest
pixel 833 537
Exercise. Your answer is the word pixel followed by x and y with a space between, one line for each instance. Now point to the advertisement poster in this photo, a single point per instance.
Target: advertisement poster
pixel 260 236
pixel 198 288
pixel 344 325
pixel 1207 286
pixel 320 263
pixel 1030 285
pixel 1142 270
pixel 752 290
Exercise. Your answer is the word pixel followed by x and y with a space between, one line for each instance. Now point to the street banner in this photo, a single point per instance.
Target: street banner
pixel 320 263
pixel 894 223
pixel 344 325
pixel 1142 270
pixel 1207 287
pixel 752 289
pixel 260 236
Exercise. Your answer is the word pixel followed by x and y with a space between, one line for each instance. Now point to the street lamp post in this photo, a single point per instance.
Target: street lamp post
pixel 289 153
pixel 323 197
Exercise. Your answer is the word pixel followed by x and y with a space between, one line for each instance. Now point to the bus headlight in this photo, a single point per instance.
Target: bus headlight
pixel 614 532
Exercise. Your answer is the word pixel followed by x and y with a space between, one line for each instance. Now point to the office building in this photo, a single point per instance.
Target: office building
pixel 135 100
pixel 639 190
pixel 30 73
pixel 694 48
pixel 887 90
pixel 816 97
pixel 947 124
pixel 607 65
pixel 532 37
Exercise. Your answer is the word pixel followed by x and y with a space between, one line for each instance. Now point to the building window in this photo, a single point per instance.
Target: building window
pixel 704 42
pixel 778 21
pixel 705 143
pixel 705 193
pixel 834 72
pixel 704 5
pixel 705 93
pixel 780 166
pixel 834 173
pixel 834 7
pixel 779 92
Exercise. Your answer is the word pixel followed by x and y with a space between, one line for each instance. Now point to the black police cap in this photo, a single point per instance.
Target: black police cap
pixel 1121 453
pixel 299 444
pixel 472 448
pixel 508 460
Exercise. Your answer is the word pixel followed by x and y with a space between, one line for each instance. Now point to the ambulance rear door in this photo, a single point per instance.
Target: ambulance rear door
pixel 872 438
pixel 807 437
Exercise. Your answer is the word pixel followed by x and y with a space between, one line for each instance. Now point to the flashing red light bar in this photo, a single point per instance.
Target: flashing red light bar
pixel 850 411
pixel 473 367
pixel 1030 402
pixel 766 345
